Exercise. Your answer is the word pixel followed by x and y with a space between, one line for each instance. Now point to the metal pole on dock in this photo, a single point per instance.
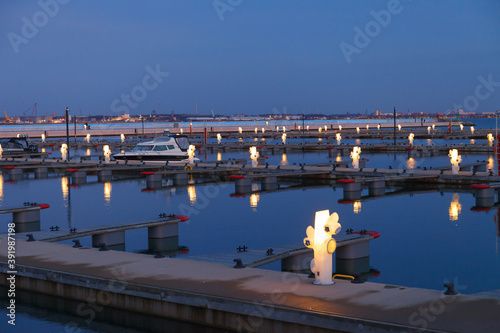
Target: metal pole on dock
pixel 74 121
pixel 394 126
pixel 303 121
pixel 67 131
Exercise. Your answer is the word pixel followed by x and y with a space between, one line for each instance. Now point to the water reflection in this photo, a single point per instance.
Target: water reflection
pixel 1 187
pixel 356 207
pixel 339 158
pixel 455 207
pixel 88 152
pixel 192 194
pixel 284 161
pixel 411 163
pixel 219 156
pixel 64 188
pixel 472 141
pixel 358 141
pixel 254 200
pixel 491 163
pixel 43 150
pixel 107 193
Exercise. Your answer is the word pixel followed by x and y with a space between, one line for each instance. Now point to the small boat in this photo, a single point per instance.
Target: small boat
pixel 163 148
pixel 15 146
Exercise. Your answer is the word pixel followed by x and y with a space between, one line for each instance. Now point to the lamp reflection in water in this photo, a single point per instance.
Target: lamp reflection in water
pixel 254 200
pixel 88 152
pixel 284 161
pixel 64 188
pixel 491 163
pixel 455 207
pixel 192 194
pixel 338 137
pixel 472 141
pixel 1 187
pixel 356 207
pixel 455 161
pixel 219 156
pixel 1 151
pixel 122 137
pixel 254 155
pixel 107 193
pixel 411 163
pixel 43 150
pixel 320 239
pixel 339 158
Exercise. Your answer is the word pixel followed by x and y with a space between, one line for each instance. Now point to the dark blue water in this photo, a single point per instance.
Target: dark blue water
pixel 426 239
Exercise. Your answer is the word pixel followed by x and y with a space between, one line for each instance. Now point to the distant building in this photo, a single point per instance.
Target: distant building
pixel 378 113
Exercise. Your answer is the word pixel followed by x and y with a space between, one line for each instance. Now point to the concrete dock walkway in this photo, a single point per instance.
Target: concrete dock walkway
pixel 246 299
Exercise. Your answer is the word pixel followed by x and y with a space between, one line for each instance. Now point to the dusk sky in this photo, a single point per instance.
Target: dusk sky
pixel 248 56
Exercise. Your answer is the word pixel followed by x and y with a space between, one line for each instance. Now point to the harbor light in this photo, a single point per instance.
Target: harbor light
pixel 307 127
pixel 433 126
pixel 256 130
pixel 122 137
pixel 455 161
pixel 356 207
pixel 410 138
pixel 284 129
pixel 182 131
pixel 219 156
pixel 455 207
pixel 367 126
pixel 254 155
pixel 190 152
pixel 263 130
pixel 378 126
pixel 357 130
pixel 338 137
pixel 1 151
pixel 240 130
pixel 472 129
pixel 325 127
pixel 319 238
pixel 219 138
pixel 64 151
pixel 461 127
pixel 356 151
pixel 283 138
pixel 284 160
pixel 107 153
pixel 428 130
pixel 87 138
pixel 320 129
pixel 43 137
pixel 490 139
pixel 254 200
pixel 399 127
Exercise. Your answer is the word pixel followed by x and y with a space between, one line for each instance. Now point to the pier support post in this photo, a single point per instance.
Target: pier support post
pixel 104 176
pixel 113 240
pixel 152 180
pixel 485 195
pixel 298 263
pixel 164 237
pixel 353 259
pixel 77 177
pixel 241 184
pixel 376 188
pixel 13 173
pixel 352 190
pixel 27 221
pixel 331 151
pixel 269 183
pixel 180 179
pixel 41 173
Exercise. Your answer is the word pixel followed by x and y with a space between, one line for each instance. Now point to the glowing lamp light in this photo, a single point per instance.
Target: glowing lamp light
pixel 472 129
pixel 254 200
pixel 283 138
pixel 254 155
pixel 122 137
pixel 307 127
pixel 428 130
pixel 1 151
pixel 399 127
pixel 461 127
pixel 43 137
pixel 18 135
pixel 338 137
pixel 277 128
pixel 325 127
pixel 219 156
pixel 410 138
pixel 490 139
pixel 255 139
pixel 107 192
pixel 190 152
pixel 192 194
pixel 455 161
pixel 240 130
pixel 256 130
pixel 64 151
pixel 320 129
pixel 107 153
pixel 356 151
pixel 367 126
pixel 219 138
pixel 182 131
pixel 320 240
pixel 284 160
pixel 340 127
pixel 357 130
pixel 455 207
pixel 378 126
pixel 263 130
pixel 299 127
pixel 284 129
pixel 356 207
pixel 87 138
pixel 433 126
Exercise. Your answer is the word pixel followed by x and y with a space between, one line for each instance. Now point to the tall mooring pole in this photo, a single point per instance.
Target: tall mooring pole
pixel 67 131
pixel 394 126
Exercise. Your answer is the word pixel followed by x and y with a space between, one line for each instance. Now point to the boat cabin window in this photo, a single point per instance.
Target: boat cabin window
pixel 170 146
pixel 183 143
pixel 143 148
pixel 160 148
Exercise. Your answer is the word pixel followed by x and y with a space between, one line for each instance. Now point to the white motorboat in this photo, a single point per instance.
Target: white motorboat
pixel 18 145
pixel 163 148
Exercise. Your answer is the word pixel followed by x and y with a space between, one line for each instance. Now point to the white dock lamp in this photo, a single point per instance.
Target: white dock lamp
pixel 320 239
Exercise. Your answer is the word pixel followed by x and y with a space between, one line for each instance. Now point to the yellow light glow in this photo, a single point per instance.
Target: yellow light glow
pixel 283 138
pixel 340 127
pixel 472 141
pixel 307 127
pixel 472 129
pixel 64 151
pixel 367 126
pixel 320 139
pixel 107 153
pixel 263 130
pixel 256 130
pixel 284 159
pixel 461 127
pixel 254 200
pixel 411 163
pixel 399 127
pixel 219 138
pixel 356 207
pixel 433 126
pixel 320 129
pixel 410 138
pixel 338 137
pixel 64 187
pixel 378 126
pixel 43 150
pixel 339 158
pixel 240 130
pixel 455 207
pixel 43 137
pixel 182 131
pixel 455 160
pixel 490 139
pixel 122 137
pixel 491 163
pixel 356 151
pixel 192 194
pixel 190 152
pixel 428 130
pixel 284 129
pixel 87 138
pixel 357 130
pixel 254 155
pixel 1 187
pixel 107 192
pixel 219 156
